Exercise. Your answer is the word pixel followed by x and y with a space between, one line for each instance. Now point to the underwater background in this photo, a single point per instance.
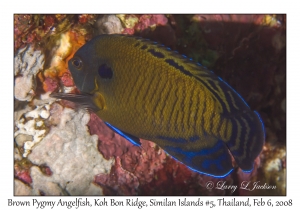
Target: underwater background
pixel 63 150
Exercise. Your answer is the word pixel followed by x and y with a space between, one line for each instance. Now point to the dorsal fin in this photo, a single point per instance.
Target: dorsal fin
pixel 229 100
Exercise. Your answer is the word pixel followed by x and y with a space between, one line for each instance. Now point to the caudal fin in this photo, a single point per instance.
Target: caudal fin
pixel 247 138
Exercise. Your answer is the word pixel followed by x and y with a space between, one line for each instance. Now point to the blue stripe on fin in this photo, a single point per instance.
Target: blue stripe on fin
pixel 134 140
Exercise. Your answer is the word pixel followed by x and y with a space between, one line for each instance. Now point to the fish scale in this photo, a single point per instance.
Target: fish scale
pixel 162 105
pixel 144 90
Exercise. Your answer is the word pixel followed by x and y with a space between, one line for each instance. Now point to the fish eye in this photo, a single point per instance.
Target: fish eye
pixel 105 71
pixel 77 63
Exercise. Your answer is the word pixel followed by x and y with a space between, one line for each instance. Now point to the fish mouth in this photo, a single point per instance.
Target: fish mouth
pixel 83 100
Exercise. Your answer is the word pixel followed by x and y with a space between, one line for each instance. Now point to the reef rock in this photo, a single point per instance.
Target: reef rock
pixel 71 154
pixel 31 127
pixel 22 189
pixel 27 64
pixel 109 24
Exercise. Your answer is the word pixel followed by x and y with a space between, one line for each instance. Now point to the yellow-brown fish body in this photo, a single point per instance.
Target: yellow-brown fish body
pixel 145 90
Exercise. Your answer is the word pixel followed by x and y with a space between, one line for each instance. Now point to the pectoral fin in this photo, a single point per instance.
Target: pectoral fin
pixel 93 102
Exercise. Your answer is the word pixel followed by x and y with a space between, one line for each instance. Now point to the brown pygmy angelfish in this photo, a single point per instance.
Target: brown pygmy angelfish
pixel 144 90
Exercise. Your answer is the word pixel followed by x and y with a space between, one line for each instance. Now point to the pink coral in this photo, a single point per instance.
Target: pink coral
pixel 24 176
pixel 158 20
pixel 230 18
pixel 22 25
pixel 143 161
pixel 121 181
pixel 129 31
pixel 22 172
pixel 50 84
pixel 49 21
pixel 146 21
pixel 67 80
pixel 46 170
pixel 154 27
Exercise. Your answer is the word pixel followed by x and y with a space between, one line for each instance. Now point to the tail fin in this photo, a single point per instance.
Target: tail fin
pixel 247 138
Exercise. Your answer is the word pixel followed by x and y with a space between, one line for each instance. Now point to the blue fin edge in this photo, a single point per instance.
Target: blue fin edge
pixel 200 172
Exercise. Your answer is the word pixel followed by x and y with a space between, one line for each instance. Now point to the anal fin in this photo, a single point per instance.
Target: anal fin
pixel 213 160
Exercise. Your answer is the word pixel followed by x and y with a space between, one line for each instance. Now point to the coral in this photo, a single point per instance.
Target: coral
pixel 58 63
pixel 46 170
pixel 58 74
pixel 154 27
pixel 267 20
pixel 55 114
pixel 27 64
pixel 108 24
pixel 151 21
pixel 50 84
pixel 17 154
pixel 21 188
pixel 39 30
pixel 129 31
pixel 67 80
pixel 86 19
pixel 23 24
pixel 22 138
pixel 82 19
pixel 21 170
pixel 133 158
pixel 32 124
pixel 71 154
pixel 128 21
pixel 23 176
pixel 120 182
pixel 274 167
pixel 44 185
